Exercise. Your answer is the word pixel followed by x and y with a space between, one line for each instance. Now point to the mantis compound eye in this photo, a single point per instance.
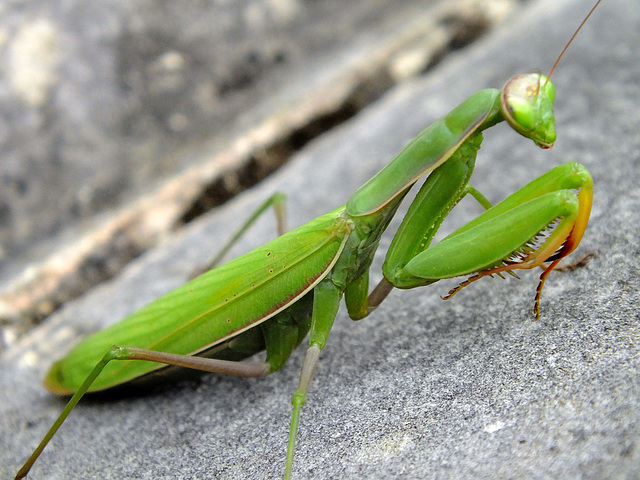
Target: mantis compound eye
pixel 527 105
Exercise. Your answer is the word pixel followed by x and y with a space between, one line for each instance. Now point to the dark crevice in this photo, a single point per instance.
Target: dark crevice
pixel 464 31
pixel 266 161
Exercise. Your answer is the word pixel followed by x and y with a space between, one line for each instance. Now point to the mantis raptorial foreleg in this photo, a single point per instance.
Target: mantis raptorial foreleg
pixel 546 214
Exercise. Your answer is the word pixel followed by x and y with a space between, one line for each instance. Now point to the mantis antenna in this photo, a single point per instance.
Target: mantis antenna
pixel 571 40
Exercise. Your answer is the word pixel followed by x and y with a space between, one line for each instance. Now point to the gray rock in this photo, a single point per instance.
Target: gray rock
pixel 469 388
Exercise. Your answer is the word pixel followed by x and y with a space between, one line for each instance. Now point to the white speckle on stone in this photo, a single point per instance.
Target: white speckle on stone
pixel 29 360
pixel 494 427
pixel 33 61
pixel 173 61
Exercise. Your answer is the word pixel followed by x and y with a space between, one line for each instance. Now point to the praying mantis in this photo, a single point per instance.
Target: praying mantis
pixel 270 298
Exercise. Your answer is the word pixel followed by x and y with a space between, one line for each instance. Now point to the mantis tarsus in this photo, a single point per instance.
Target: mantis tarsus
pixel 271 298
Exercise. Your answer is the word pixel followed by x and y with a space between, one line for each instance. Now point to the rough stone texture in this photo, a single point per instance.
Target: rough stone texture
pixel 469 388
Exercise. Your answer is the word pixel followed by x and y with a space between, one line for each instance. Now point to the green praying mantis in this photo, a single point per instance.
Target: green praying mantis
pixel 271 298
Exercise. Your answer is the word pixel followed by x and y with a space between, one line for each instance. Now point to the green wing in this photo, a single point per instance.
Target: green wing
pixel 212 308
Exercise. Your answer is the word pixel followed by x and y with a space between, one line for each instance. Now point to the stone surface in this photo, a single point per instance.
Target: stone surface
pixel 423 388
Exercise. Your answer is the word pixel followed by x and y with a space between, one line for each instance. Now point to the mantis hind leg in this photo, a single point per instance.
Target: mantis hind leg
pixel 280 335
pixel 244 369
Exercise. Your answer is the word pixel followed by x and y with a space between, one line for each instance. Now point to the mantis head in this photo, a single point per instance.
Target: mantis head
pixel 527 101
pixel 527 105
